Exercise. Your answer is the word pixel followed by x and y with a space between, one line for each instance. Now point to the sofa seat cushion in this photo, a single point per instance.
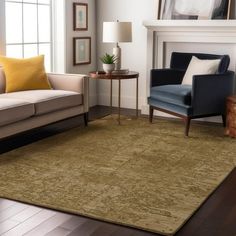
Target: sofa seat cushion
pixel 179 109
pixel 173 94
pixel 46 101
pixel 13 110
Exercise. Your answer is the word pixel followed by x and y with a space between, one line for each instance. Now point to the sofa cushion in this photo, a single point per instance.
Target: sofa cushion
pixel 46 101
pixel 24 74
pixel 200 67
pixel 174 94
pixel 180 60
pixel 13 110
pixel 180 109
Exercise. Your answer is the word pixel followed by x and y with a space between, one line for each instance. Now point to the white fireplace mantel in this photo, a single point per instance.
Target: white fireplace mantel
pixel 190 25
pixel 189 31
pixel 160 32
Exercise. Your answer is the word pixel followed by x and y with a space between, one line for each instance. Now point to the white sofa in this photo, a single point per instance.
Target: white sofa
pixel 26 110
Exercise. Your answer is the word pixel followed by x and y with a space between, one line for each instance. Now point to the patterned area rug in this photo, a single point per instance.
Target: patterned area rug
pixel 137 174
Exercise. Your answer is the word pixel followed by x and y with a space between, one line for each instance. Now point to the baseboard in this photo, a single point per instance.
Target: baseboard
pixel 93 100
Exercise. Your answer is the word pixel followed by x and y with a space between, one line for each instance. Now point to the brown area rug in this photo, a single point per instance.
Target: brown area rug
pixel 141 175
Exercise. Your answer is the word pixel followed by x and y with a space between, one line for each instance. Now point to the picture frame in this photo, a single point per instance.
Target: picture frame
pixel 81 50
pixel 159 9
pixel 194 10
pixel 80 16
pixel 222 11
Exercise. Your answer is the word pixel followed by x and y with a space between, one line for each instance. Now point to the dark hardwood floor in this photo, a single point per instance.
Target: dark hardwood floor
pixel 216 217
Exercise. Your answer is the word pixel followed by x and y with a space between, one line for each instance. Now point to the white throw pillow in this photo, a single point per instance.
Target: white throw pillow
pixel 200 67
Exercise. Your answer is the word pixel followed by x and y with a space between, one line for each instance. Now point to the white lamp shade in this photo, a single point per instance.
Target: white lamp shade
pixel 115 32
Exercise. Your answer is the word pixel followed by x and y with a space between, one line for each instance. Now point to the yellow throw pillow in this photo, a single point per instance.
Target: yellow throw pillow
pixel 24 74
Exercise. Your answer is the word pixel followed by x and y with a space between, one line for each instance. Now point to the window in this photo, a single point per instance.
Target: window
pixel 28 29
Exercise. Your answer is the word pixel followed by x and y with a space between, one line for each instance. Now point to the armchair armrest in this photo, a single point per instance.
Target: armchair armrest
pixel 71 82
pixel 166 76
pixel 209 92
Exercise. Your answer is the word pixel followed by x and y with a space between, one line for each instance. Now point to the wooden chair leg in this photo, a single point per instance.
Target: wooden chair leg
pixel 187 121
pixel 86 119
pixel 150 114
pixel 224 120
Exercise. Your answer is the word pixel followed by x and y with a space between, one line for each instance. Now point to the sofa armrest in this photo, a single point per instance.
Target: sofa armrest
pixel 166 76
pixel 71 82
pixel 209 92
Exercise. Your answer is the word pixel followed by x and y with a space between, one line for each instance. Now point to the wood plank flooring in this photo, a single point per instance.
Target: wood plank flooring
pixel 21 219
pixel 217 217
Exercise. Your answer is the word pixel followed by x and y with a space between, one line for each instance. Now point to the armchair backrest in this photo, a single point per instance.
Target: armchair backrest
pixel 181 61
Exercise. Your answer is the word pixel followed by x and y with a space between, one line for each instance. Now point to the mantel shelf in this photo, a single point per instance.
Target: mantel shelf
pixel 190 25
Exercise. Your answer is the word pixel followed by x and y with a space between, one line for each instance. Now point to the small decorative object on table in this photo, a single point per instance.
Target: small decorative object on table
pixel 108 62
pixel 231 117
pixel 122 71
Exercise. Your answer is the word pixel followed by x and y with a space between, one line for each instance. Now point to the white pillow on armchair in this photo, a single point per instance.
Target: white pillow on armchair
pixel 200 67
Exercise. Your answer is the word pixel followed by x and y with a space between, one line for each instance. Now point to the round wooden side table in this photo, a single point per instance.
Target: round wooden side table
pixel 101 75
pixel 231 117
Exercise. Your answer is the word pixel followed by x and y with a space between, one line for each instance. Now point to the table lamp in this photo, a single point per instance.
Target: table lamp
pixel 117 32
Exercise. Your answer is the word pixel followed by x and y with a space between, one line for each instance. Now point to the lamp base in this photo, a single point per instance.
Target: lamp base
pixel 121 71
pixel 117 53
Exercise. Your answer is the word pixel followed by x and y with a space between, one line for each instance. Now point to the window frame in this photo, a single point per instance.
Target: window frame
pixel 37 42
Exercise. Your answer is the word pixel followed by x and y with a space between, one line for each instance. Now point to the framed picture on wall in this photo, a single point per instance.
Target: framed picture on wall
pixel 82 50
pixel 159 13
pixel 222 9
pixel 194 10
pixel 80 16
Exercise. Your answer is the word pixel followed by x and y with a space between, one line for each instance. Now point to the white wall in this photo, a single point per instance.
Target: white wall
pixel 59 36
pixel 2 28
pixel 70 33
pixel 133 54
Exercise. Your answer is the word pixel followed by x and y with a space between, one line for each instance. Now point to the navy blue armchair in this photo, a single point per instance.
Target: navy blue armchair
pixel 205 97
